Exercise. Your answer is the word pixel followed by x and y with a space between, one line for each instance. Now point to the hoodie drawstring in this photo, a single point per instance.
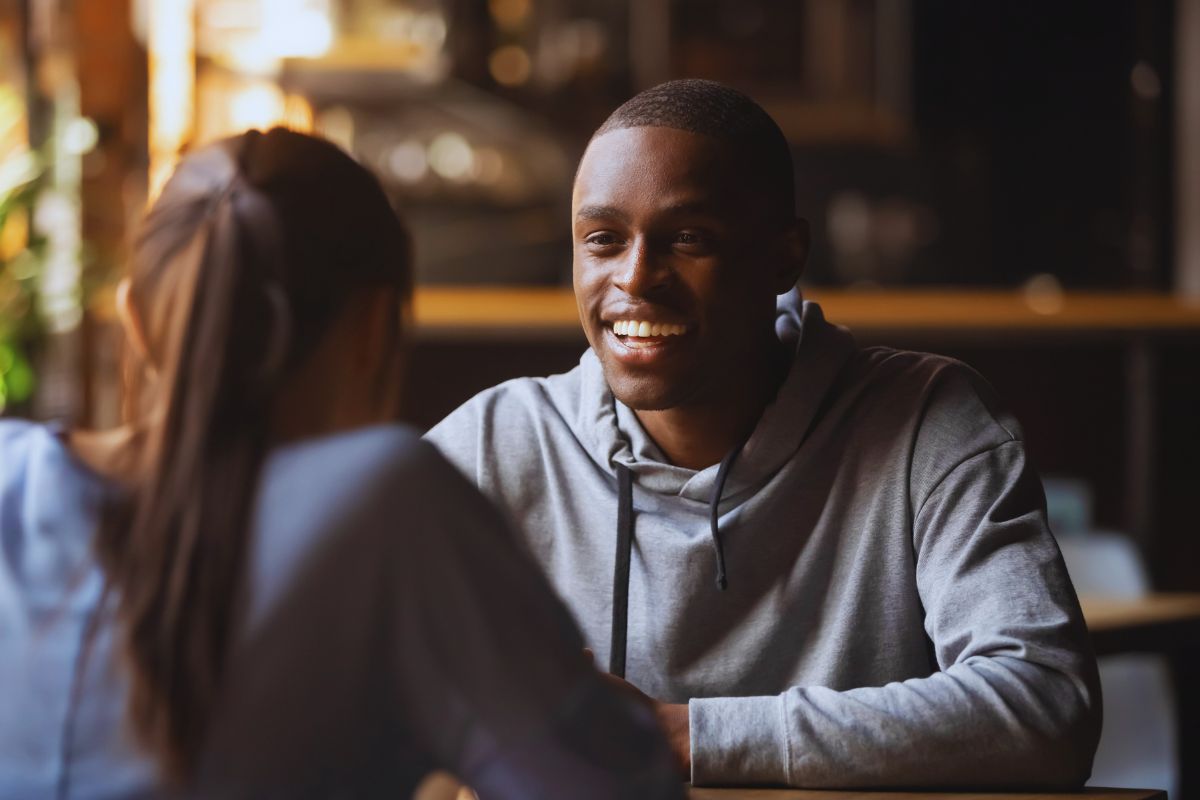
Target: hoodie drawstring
pixel 620 605
pixel 620 593
pixel 714 512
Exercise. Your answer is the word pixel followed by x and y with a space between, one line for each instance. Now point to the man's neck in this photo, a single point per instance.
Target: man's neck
pixel 698 435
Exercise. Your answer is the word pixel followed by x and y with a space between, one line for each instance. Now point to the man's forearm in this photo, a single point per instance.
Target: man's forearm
pixel 991 722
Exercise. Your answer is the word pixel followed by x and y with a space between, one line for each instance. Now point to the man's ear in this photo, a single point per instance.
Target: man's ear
pixel 131 322
pixel 794 255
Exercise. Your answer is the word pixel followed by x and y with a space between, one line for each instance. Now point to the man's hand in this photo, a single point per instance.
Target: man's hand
pixel 673 717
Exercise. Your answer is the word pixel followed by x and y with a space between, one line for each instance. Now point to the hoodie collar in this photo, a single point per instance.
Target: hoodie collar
pixel 612 433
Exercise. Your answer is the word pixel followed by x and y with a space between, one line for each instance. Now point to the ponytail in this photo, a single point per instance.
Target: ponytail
pixel 173 549
pixel 240 267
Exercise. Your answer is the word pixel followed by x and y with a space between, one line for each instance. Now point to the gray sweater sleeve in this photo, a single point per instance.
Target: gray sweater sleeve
pixel 1015 701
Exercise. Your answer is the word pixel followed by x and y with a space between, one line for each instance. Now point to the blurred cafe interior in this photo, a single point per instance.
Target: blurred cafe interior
pixel 1012 183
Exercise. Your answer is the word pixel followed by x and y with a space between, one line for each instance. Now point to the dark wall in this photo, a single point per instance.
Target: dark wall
pixel 1067 148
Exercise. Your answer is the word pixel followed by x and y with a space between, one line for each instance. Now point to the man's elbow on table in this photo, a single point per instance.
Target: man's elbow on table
pixel 1058 750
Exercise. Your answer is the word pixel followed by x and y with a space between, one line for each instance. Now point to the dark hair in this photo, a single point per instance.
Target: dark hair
pixel 237 272
pixel 712 109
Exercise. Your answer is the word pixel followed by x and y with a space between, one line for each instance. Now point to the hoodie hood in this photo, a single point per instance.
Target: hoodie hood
pixel 612 434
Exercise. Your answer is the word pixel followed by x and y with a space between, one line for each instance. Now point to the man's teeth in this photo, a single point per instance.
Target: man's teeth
pixel 629 327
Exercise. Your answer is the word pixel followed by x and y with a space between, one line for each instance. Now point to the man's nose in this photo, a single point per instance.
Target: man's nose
pixel 642 271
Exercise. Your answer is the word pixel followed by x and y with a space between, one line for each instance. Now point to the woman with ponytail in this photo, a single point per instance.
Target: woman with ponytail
pixel 260 585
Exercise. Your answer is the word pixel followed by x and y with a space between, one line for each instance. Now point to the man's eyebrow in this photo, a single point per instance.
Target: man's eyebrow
pixel 586 213
pixel 595 212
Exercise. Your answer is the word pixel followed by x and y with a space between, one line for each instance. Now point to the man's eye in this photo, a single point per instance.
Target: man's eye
pixel 693 240
pixel 601 239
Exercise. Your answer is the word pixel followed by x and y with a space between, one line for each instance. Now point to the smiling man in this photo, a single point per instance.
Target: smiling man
pixel 823 565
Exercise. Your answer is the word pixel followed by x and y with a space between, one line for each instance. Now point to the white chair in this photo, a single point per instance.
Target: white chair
pixel 1138 746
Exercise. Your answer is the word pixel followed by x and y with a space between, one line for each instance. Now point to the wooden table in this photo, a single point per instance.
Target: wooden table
pixel 1156 623
pixel 445 788
pixel 807 794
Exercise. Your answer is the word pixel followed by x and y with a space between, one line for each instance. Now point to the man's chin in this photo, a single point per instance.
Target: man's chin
pixel 638 404
pixel 642 394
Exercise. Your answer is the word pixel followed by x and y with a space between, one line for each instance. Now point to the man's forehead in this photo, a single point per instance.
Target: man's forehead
pixel 657 148
pixel 684 171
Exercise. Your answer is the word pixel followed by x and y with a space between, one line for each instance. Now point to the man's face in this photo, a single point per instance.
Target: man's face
pixel 676 270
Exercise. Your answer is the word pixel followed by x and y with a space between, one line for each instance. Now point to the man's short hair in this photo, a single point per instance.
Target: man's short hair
pixel 712 109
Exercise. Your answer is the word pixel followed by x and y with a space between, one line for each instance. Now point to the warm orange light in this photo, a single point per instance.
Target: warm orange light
pixel 14 234
pixel 255 104
pixel 510 13
pixel 510 65
pixel 228 104
pixel 170 45
pixel 297 113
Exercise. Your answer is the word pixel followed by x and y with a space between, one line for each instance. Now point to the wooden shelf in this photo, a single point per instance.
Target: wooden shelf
pixel 1108 614
pixel 1156 623
pixel 487 311
pixel 544 313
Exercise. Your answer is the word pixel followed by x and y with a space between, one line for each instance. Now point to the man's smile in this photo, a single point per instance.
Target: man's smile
pixel 641 329
pixel 642 343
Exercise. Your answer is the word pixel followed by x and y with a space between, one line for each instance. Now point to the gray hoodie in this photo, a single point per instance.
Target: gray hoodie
pixel 897 612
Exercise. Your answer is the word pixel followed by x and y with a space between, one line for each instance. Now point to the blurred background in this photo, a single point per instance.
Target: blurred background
pixel 1013 183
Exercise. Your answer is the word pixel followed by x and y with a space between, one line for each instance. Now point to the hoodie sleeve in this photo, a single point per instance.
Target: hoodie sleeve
pixel 1015 700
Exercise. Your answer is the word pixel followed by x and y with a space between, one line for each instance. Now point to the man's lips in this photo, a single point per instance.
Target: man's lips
pixel 647 329
pixel 632 348
pixel 643 320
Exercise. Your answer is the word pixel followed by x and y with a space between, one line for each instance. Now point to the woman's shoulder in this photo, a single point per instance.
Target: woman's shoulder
pixel 353 497
pixel 364 454
pixel 18 441
pixel 17 436
pixel 36 454
pixel 379 467
pixel 28 449
pixel 49 507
